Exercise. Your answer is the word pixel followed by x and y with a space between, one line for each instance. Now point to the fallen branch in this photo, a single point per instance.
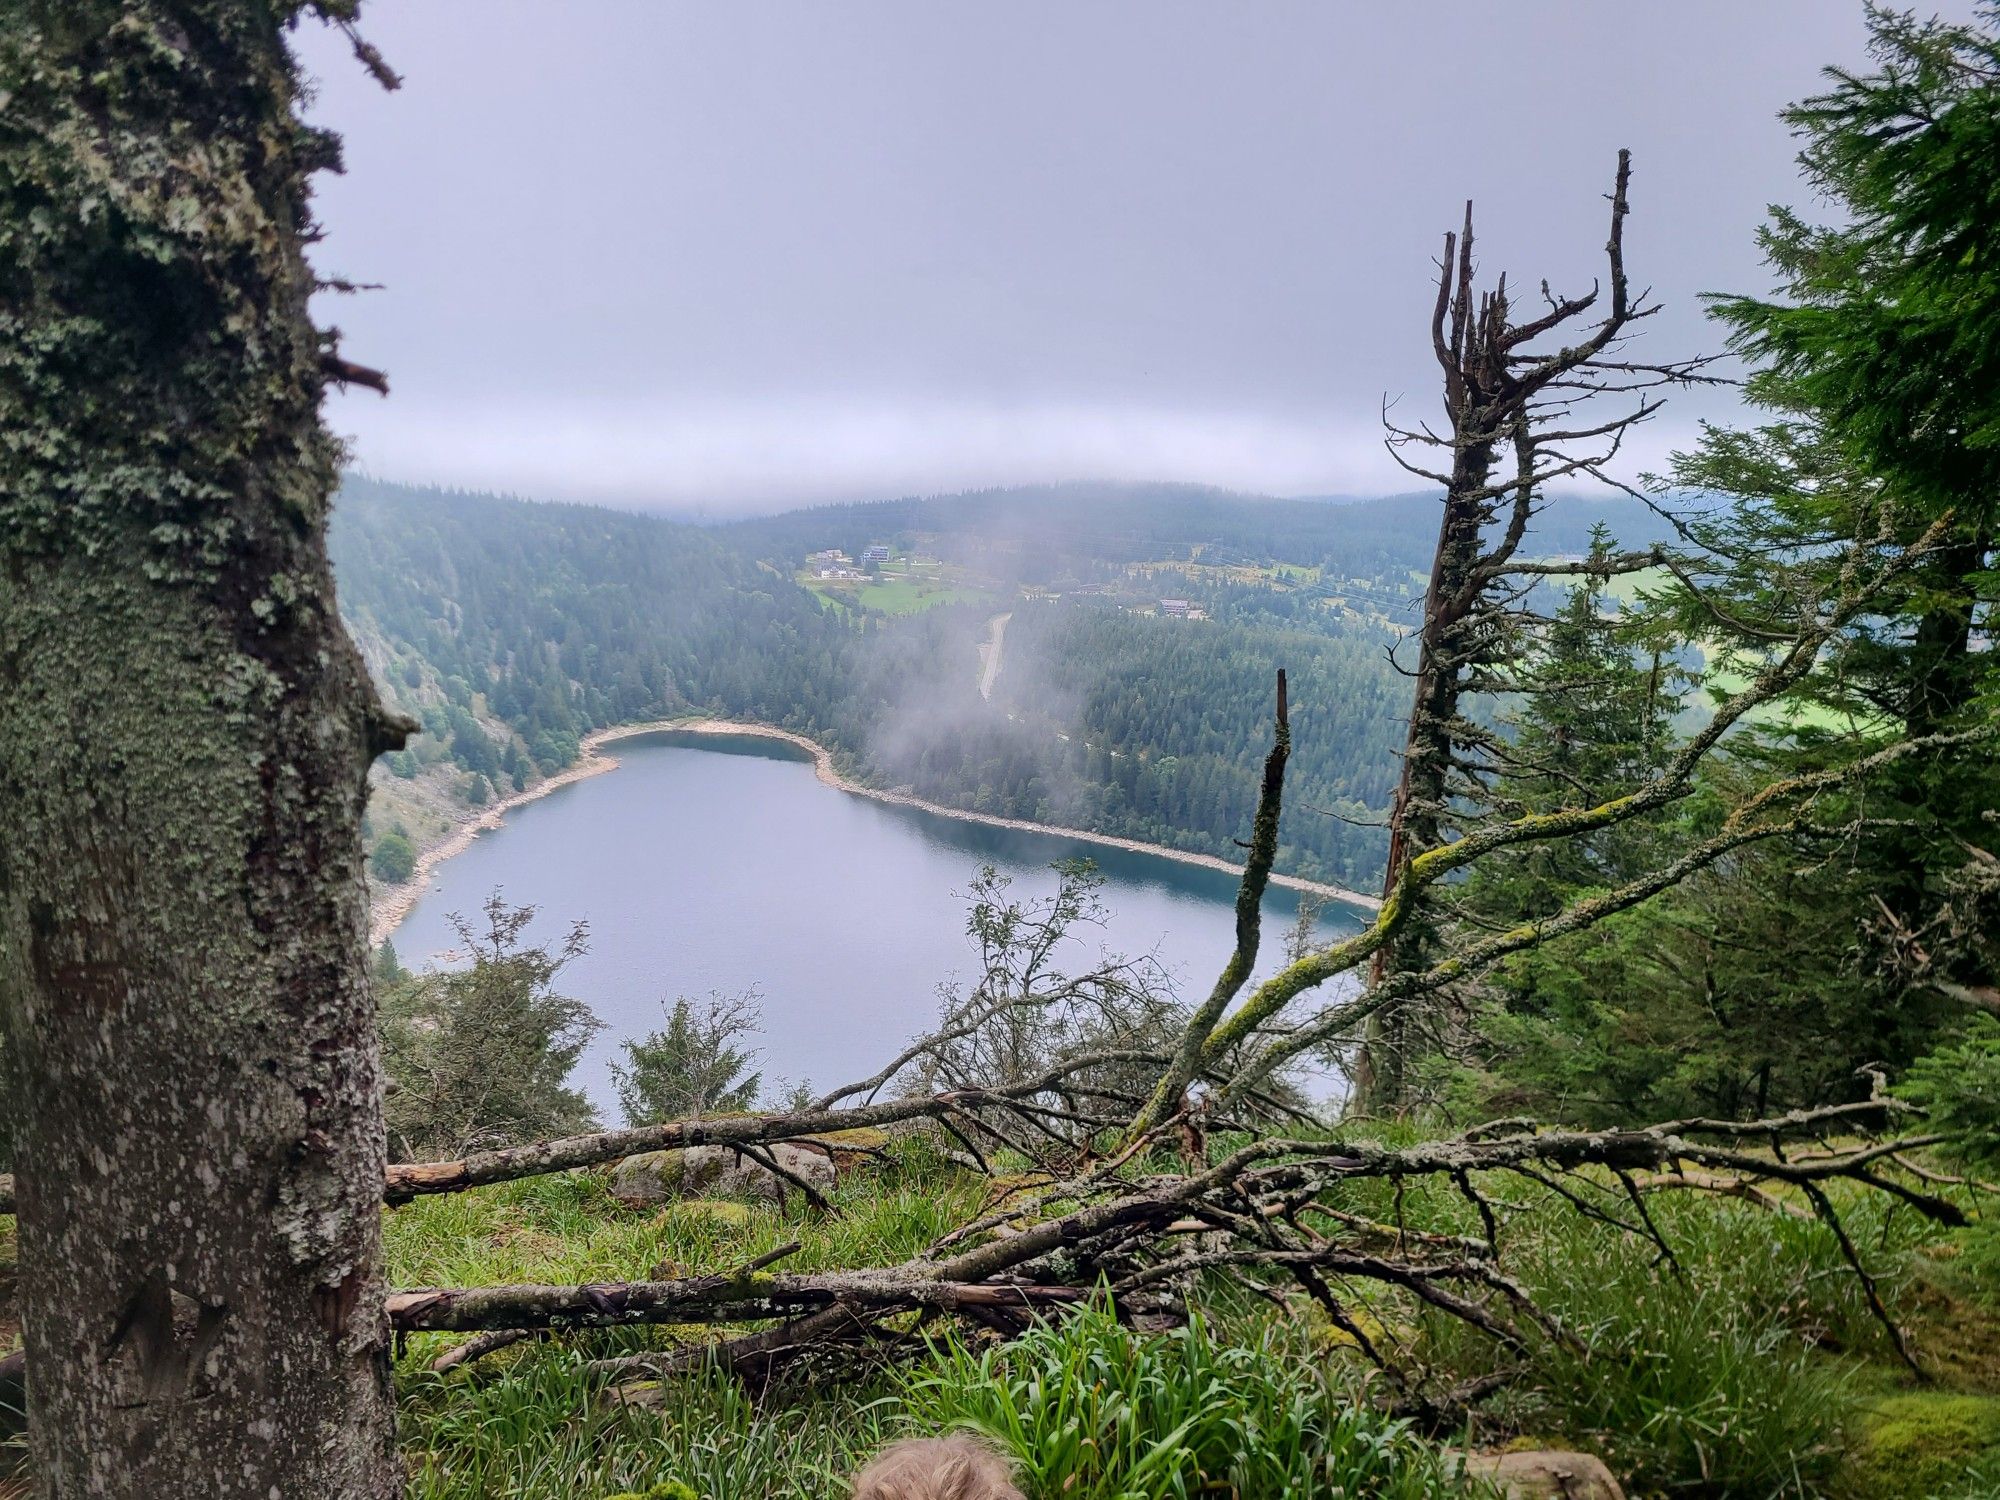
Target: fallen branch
pixel 1714 1182
pixel 483 1345
pixel 408 1180
pixel 727 1298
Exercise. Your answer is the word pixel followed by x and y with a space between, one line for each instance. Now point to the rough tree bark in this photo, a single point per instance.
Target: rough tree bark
pixel 184 735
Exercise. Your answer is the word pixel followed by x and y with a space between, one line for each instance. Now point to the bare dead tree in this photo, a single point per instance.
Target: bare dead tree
pixel 1520 416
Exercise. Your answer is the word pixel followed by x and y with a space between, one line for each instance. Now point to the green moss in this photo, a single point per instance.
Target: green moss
pixel 1924 1443
pixel 722 1213
pixel 666 1489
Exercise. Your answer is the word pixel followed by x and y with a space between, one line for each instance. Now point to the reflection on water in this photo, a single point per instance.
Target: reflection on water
pixel 722 864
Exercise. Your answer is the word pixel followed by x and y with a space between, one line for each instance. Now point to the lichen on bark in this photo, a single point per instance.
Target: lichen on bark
pixel 184 736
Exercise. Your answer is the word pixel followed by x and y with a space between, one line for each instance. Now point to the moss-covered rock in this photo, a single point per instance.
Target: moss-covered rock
pixel 657 1176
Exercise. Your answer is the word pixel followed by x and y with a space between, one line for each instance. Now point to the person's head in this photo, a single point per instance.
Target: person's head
pixel 947 1468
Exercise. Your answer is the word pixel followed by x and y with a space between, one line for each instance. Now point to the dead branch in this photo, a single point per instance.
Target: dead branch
pixel 1714 1182
pixel 1113 1221
pixel 479 1347
pixel 1188 1058
pixel 409 1180
pixel 346 372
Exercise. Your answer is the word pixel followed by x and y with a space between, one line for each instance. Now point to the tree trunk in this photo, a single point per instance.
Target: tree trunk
pixel 185 731
pixel 1416 819
pixel 1503 389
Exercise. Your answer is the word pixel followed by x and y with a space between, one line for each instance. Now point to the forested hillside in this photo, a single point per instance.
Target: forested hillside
pixel 513 629
pixel 1156 720
pixel 554 620
pixel 1044 534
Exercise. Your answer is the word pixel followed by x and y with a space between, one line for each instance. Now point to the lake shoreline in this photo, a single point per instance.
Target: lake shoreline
pixel 388 908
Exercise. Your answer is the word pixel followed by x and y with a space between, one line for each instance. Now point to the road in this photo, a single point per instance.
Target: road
pixel 989 653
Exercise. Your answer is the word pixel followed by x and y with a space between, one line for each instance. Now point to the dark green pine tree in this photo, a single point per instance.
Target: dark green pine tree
pixel 1880 367
pixel 1597 704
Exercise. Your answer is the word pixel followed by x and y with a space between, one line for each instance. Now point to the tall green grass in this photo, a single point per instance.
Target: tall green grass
pixel 1734 1377
pixel 1092 1411
pixel 550 1432
pixel 1731 1376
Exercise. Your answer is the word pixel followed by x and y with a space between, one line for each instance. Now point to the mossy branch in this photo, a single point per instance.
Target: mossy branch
pixel 1187 1063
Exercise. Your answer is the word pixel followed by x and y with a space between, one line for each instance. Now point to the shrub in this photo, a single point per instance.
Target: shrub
pixel 693 1067
pixel 394 859
pixel 1959 1088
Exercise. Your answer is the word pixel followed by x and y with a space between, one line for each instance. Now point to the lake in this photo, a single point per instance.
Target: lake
pixel 719 864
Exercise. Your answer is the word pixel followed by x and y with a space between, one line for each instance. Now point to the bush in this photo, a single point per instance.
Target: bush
pixel 1959 1088
pixel 694 1066
pixel 394 859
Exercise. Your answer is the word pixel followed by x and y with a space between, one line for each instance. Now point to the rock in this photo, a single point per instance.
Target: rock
pixel 1546 1475
pixel 852 1149
pixel 721 1171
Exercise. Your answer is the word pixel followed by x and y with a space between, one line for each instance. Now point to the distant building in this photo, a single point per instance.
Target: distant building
pixel 1175 606
pixel 875 554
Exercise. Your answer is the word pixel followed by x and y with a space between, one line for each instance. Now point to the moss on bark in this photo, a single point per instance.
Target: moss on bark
pixel 184 735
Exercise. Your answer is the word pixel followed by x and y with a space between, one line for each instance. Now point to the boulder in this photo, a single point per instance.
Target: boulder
pixel 1546 1475
pixel 719 1171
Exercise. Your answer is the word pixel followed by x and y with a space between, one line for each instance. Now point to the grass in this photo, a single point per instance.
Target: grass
pixel 547 1432
pixel 1755 1371
pixel 1087 1409
pixel 1693 1387
pixel 1751 1371
pixel 899 590
pixel 1092 1411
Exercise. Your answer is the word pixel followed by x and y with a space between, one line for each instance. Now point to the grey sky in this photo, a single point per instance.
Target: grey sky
pixel 744 255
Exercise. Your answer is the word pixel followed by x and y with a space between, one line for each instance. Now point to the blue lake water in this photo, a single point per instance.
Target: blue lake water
pixel 722 864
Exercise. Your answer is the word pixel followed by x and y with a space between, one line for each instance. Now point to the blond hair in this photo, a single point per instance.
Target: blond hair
pixel 946 1468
